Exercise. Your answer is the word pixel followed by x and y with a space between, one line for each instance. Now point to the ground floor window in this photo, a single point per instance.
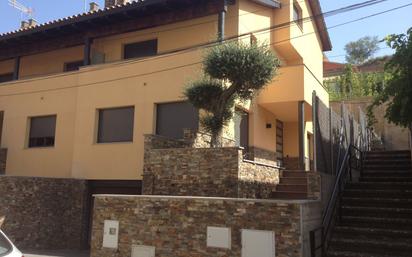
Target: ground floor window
pixel 42 131
pixel 173 118
pixel 115 125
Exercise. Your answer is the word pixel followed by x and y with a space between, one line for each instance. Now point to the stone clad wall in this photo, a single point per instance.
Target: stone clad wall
pixel 206 172
pixel 191 171
pixel 43 213
pixel 177 226
pixel 257 180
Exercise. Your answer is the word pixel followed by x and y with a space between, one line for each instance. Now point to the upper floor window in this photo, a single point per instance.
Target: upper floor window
pixel 73 66
pixel 140 49
pixel 115 125
pixel 42 131
pixel 6 77
pixel 297 14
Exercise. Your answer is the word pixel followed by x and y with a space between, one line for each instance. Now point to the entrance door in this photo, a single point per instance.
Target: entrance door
pixel 242 128
pixel 279 142
pixel 258 243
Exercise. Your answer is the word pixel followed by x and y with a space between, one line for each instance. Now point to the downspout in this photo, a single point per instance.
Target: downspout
pixel 221 22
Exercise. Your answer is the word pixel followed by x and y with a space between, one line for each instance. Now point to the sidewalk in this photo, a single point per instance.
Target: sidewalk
pixel 65 253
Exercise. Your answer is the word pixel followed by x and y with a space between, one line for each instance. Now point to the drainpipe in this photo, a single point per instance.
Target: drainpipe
pixel 301 136
pixel 315 129
pixel 221 22
pixel 16 70
pixel 86 51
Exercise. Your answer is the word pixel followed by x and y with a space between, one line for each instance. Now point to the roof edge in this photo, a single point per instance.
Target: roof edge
pixel 322 29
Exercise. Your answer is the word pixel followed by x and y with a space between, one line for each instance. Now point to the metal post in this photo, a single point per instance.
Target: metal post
pixel 315 129
pixel 221 22
pixel 16 71
pixel 301 136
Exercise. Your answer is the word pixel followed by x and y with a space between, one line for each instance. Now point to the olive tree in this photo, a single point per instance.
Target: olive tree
pixel 232 71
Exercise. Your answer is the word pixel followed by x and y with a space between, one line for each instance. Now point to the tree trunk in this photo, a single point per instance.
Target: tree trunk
pixel 214 141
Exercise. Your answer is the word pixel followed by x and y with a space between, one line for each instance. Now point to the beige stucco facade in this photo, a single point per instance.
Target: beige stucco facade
pixel 75 97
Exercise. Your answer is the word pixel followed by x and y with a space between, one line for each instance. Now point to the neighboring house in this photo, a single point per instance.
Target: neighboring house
pixel 78 94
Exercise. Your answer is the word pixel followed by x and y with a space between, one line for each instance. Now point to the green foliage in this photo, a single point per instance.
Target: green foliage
pixel 398 88
pixel 352 84
pixel 233 71
pixel 357 52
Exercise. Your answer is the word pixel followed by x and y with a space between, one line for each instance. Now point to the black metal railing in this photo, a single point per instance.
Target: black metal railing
pixel 352 160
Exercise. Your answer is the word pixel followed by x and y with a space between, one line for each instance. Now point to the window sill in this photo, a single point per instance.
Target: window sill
pixel 114 143
pixel 39 147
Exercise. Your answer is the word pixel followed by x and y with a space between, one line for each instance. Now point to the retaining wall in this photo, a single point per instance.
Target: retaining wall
pixel 177 226
pixel 44 213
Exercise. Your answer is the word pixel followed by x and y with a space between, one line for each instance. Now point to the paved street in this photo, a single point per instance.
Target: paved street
pixel 55 254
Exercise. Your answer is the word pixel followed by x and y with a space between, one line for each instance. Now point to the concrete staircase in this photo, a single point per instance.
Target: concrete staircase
pixel 293 184
pixel 377 210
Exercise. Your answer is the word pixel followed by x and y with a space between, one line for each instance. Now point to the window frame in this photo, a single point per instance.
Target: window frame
pixel 98 125
pixel 299 21
pixel 28 144
pixel 137 42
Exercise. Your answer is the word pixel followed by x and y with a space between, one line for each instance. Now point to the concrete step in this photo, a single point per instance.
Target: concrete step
pixel 294 174
pixel 293 180
pixel 388 153
pixel 292 187
pixel 372 233
pixel 387 173
pixel 373 193
pixel 391 161
pixel 380 185
pixel 379 212
pixel 376 222
pixel 377 167
pixel 377 202
pixel 396 248
pixel 288 195
pixel 385 179
pixel 336 253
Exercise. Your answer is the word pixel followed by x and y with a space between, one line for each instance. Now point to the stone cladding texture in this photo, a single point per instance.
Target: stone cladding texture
pixel 43 213
pixel 3 160
pixel 177 226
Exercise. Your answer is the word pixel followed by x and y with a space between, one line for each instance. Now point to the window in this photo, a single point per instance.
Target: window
pixel 72 66
pixel 6 77
pixel 140 49
pixel 5 246
pixel 297 14
pixel 42 131
pixel 115 125
pixel 173 118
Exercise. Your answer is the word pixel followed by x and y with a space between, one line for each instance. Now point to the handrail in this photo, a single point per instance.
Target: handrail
pixel 352 159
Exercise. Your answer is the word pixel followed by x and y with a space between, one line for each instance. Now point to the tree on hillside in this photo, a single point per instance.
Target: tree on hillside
pixel 232 71
pixel 397 92
pixel 359 51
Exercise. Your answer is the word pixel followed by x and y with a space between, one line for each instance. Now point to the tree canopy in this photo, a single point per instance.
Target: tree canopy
pixel 232 71
pixel 361 50
pixel 397 92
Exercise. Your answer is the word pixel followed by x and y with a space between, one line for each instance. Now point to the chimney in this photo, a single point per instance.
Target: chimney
pixel 32 22
pixel 24 24
pixel 28 24
pixel 109 3
pixel 93 7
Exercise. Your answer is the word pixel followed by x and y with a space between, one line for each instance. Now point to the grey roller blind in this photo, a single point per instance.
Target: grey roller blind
pixel 116 125
pixel 42 131
pixel 172 118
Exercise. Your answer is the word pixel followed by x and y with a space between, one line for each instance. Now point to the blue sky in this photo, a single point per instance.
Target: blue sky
pixel 394 22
